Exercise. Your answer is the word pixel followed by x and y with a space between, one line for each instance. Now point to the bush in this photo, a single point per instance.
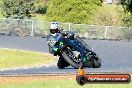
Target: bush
pixel 41 9
pixel 18 9
pixel 75 11
pixel 110 15
pixel 127 20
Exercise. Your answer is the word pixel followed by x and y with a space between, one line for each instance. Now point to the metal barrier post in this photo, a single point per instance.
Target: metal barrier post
pixel 32 32
pixel 69 26
pixel 105 34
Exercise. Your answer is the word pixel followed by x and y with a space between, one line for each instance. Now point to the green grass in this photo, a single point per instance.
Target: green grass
pixel 18 58
pixel 61 84
pixel 41 17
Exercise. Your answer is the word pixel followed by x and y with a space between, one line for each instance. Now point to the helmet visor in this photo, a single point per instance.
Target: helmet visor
pixel 53 31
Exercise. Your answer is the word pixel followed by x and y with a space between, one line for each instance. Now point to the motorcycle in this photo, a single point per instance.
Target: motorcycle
pixel 68 55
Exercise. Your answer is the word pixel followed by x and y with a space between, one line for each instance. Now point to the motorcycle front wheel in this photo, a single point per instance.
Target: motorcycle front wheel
pixel 71 59
pixel 62 63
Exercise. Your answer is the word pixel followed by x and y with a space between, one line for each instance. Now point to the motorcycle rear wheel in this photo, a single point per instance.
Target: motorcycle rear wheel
pixel 96 63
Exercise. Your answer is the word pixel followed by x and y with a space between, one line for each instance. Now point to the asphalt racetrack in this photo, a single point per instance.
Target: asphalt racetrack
pixel 116 56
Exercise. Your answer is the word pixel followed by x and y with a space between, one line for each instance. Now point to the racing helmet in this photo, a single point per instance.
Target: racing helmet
pixel 54 28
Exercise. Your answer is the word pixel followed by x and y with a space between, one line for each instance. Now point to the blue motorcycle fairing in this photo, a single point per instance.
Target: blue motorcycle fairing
pixel 77 47
pixel 72 43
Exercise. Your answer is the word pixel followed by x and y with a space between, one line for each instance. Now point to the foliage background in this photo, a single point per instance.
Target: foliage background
pixel 18 9
pixel 79 11
pixel 75 11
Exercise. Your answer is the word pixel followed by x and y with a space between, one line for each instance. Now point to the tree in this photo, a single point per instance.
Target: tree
pixel 18 9
pixel 76 11
pixel 127 4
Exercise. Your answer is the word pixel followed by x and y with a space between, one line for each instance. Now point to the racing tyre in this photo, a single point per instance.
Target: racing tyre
pixel 62 63
pixel 68 56
pixel 96 63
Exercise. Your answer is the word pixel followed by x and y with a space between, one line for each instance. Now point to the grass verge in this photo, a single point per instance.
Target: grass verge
pixel 41 17
pixel 19 58
pixel 49 82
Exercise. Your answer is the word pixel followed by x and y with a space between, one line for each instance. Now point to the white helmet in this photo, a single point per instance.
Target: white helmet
pixel 54 27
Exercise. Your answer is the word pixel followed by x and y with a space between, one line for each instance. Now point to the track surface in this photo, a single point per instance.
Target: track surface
pixel 116 56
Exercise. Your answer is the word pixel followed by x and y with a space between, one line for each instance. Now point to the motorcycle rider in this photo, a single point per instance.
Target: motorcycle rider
pixel 55 34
